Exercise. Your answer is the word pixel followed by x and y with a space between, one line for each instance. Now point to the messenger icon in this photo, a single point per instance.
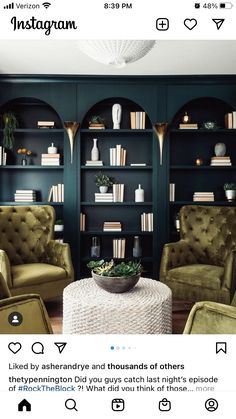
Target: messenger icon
pixel 164 405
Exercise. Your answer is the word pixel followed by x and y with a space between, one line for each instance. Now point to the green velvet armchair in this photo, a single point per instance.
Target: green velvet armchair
pixel 202 264
pixel 31 307
pixel 211 318
pixel 30 260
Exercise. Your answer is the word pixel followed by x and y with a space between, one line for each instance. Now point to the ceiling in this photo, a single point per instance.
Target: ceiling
pixel 166 58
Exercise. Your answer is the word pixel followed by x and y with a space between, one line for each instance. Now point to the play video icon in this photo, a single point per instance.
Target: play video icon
pixel 118 405
pixel 218 22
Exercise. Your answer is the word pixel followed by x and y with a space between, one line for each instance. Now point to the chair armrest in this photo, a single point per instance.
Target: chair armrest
pixel 58 254
pixel 5 268
pixel 229 280
pixel 176 254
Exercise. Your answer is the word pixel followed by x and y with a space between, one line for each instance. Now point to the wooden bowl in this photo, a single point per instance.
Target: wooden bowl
pixel 116 284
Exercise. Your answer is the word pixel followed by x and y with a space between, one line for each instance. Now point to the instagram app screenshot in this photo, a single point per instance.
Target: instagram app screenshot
pixel 117 209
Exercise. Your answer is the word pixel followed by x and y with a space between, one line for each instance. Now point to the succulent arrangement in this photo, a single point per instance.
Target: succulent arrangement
pixel 111 269
pixel 96 119
pixel 230 186
pixel 10 124
pixel 104 180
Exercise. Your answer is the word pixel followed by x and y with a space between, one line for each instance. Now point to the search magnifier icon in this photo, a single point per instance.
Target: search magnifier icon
pixel 71 404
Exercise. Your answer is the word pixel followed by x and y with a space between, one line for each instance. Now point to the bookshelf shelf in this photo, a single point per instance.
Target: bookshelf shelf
pixel 30 167
pixel 116 131
pixel 188 167
pixel 83 167
pixel 116 233
pixel 32 203
pixel 119 204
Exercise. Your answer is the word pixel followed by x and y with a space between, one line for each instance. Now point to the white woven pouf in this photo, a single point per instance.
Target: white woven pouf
pixel 88 309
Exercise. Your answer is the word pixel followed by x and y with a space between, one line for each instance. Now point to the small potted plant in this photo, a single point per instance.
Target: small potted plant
pixel 59 226
pixel 230 191
pixel 96 122
pixel 104 182
pixel 10 124
pixel 115 278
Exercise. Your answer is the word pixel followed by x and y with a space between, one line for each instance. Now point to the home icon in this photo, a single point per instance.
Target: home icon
pixel 24 404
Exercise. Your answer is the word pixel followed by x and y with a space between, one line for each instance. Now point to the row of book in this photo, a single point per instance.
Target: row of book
pixel 137 120
pixel 117 156
pixel 230 120
pixel 56 193
pixel 50 159
pixel 221 161
pixel 116 196
pixel 203 196
pixel 46 124
pixel 94 163
pixel 82 221
pixel 103 197
pixel 172 192
pixel 147 221
pixel 25 195
pixel 188 126
pixel 3 156
pixel 118 246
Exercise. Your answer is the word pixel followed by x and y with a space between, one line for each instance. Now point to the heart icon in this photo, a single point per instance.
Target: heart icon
pixel 190 23
pixel 14 347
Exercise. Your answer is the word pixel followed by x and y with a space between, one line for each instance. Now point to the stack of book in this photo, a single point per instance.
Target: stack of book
pixel 203 196
pixel 25 195
pixel 96 126
pixel 147 221
pixel 103 197
pixel 117 156
pixel 188 126
pixel 56 193
pixel 112 226
pixel 94 163
pixel 3 156
pixel 50 159
pixel 46 124
pixel 82 222
pixel 230 120
pixel 119 248
pixel 118 192
pixel 137 120
pixel 221 161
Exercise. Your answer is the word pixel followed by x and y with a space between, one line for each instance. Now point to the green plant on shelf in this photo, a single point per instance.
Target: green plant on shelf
pixel 122 269
pixel 96 119
pixel 104 180
pixel 10 124
pixel 230 186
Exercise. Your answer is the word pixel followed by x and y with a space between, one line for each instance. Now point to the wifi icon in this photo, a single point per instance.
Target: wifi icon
pixel 46 5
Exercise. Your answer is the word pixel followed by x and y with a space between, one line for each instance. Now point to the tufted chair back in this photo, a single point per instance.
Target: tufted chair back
pixel 210 231
pixel 24 232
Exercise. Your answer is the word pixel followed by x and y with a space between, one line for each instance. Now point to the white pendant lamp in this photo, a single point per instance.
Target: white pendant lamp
pixel 116 53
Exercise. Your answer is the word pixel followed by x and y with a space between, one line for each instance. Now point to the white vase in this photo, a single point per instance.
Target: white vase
pixel 116 115
pixel 139 194
pixel 103 189
pixel 220 149
pixel 95 151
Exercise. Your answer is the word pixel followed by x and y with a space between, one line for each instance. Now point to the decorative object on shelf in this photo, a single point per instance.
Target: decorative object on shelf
pixel 10 124
pixel 137 249
pixel 115 52
pixel 59 226
pixel 198 162
pixel 96 122
pixel 160 129
pixel 95 151
pixel 230 191
pixel 220 149
pixel 139 194
pixel 104 182
pixel 209 125
pixel 186 118
pixel 52 149
pixel 95 248
pixel 71 128
pixel 25 153
pixel 177 222
pixel 115 278
pixel 116 115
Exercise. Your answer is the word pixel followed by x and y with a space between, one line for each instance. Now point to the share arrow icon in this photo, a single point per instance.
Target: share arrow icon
pixel 218 22
pixel 61 346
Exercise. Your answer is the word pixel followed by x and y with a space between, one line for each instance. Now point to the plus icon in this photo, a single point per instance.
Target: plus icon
pixel 162 24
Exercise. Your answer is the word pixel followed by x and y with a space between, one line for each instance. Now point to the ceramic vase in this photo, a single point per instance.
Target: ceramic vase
pixel 220 149
pixel 116 115
pixel 103 189
pixel 95 151
pixel 230 195
pixel 137 250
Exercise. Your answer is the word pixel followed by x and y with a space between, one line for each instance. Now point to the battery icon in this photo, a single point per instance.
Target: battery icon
pixel 226 5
